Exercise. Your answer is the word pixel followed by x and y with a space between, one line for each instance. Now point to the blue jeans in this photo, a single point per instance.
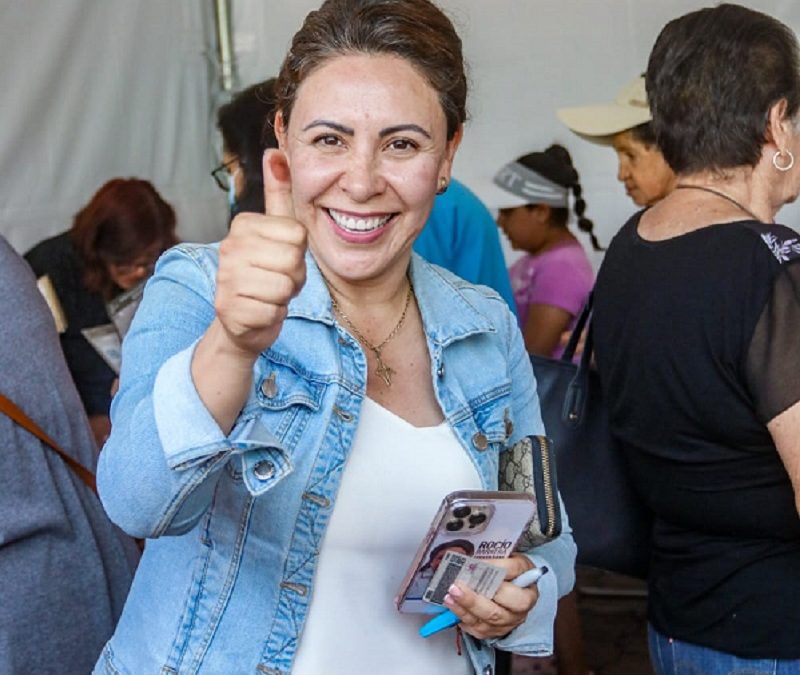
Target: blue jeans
pixel 673 657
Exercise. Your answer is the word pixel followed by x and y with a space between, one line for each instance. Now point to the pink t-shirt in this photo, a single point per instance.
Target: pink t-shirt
pixel 561 276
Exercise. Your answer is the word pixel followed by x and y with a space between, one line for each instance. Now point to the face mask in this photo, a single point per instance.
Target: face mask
pixel 233 204
pixel 232 189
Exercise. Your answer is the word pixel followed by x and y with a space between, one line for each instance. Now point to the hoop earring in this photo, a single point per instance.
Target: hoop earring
pixel 444 184
pixel 786 167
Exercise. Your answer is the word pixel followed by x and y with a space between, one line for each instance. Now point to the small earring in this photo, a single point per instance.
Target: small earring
pixel 443 183
pixel 784 167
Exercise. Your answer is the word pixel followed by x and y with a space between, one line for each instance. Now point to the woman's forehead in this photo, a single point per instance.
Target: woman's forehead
pixel 375 87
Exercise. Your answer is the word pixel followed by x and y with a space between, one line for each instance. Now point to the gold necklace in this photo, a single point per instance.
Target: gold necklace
pixel 383 371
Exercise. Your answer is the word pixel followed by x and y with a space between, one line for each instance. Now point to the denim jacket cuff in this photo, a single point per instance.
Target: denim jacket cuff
pixel 534 637
pixel 190 435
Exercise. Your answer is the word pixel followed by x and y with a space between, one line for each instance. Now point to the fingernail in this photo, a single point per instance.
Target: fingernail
pixel 455 591
pixel 449 601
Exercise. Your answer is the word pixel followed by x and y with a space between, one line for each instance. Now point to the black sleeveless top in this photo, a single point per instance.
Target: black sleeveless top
pixel 697 342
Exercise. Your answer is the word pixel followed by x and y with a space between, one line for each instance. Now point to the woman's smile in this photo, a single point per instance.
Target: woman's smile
pixel 358 228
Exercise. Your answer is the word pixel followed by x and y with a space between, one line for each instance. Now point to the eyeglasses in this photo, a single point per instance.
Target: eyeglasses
pixel 222 174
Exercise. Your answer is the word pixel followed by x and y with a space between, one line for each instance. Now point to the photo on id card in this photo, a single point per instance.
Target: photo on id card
pixel 477 524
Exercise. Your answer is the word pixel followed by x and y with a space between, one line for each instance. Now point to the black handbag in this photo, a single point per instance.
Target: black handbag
pixel 610 523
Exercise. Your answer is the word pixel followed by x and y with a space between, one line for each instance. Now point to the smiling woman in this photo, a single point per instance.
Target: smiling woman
pixel 301 358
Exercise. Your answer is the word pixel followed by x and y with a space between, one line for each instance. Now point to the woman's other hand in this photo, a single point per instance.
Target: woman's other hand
pixel 484 618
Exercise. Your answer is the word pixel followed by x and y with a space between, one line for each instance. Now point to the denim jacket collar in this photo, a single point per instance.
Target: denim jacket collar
pixel 446 312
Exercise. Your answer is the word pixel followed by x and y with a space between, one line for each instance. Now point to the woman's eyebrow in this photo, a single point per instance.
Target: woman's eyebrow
pixel 348 131
pixel 404 127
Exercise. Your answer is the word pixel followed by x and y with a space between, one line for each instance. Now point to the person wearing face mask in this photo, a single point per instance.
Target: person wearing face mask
pixel 246 126
pixel 625 124
pixel 112 246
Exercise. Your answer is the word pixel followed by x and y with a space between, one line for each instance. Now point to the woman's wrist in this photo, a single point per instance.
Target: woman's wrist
pixel 218 348
pixel 222 373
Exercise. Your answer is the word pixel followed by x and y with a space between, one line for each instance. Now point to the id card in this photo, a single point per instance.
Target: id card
pixel 477 575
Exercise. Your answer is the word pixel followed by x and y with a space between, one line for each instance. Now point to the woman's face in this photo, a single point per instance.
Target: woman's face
pixel 642 169
pixel 366 146
pixel 127 275
pixel 525 227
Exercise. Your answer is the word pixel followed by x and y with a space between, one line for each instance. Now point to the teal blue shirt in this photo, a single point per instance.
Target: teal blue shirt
pixel 462 237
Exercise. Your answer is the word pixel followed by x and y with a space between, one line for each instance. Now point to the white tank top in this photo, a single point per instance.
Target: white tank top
pixel 394 481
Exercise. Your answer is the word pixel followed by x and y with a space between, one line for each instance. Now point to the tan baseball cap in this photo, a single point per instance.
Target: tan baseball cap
pixel 598 122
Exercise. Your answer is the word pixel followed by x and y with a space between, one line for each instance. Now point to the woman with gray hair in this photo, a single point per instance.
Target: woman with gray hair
pixel 697 307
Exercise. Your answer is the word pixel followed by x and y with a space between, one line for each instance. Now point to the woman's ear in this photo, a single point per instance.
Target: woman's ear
pixel 779 125
pixel 450 152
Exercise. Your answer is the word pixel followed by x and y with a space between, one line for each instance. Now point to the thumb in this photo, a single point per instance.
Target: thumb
pixel 277 184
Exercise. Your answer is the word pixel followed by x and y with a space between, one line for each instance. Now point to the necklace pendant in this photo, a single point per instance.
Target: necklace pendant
pixel 384 372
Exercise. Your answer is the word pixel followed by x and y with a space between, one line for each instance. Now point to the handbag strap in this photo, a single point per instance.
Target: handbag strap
pixel 577 394
pixel 577 331
pixel 13 411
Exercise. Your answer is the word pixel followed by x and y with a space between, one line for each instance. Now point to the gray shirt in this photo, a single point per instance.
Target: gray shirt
pixel 65 569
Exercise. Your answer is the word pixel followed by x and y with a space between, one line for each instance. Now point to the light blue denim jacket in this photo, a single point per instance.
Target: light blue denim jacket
pixel 235 522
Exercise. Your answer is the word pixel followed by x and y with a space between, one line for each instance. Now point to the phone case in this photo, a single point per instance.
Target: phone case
pixel 480 523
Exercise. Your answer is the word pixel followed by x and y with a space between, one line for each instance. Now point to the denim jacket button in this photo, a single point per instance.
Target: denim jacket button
pixel 342 414
pixel 487 670
pixel 480 441
pixel 440 370
pixel 264 470
pixel 268 387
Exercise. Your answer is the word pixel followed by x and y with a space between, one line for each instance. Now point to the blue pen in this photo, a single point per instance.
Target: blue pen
pixel 447 619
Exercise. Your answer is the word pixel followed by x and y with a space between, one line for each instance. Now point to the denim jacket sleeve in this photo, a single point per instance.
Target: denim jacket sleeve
pixel 535 635
pixel 157 471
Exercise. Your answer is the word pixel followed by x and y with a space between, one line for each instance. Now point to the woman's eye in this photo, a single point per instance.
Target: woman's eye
pixel 327 140
pixel 403 145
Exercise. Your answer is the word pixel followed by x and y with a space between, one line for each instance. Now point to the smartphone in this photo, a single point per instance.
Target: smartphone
pixel 479 523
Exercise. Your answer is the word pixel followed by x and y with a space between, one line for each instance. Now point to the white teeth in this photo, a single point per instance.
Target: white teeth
pixel 358 224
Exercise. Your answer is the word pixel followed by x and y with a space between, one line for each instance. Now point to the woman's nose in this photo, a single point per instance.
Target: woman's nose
pixel 362 177
pixel 622 171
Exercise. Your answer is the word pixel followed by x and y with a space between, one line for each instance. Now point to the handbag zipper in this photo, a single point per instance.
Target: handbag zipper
pixel 549 499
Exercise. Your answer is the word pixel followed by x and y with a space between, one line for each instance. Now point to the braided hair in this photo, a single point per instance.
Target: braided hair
pixel 555 164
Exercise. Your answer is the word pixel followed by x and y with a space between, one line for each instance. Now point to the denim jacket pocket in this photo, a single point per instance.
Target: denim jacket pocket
pixel 485 431
pixel 285 400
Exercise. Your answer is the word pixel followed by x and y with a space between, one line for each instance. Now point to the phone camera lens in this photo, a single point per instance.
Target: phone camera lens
pixel 454 525
pixel 476 519
pixel 462 511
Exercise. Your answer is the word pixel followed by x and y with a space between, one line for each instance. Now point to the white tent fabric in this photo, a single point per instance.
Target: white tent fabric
pixel 93 89
pixel 97 89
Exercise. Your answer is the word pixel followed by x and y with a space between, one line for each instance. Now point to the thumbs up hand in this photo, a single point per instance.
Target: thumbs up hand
pixel 261 265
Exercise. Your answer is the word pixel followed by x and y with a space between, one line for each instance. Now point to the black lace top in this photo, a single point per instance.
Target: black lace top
pixel 697 342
